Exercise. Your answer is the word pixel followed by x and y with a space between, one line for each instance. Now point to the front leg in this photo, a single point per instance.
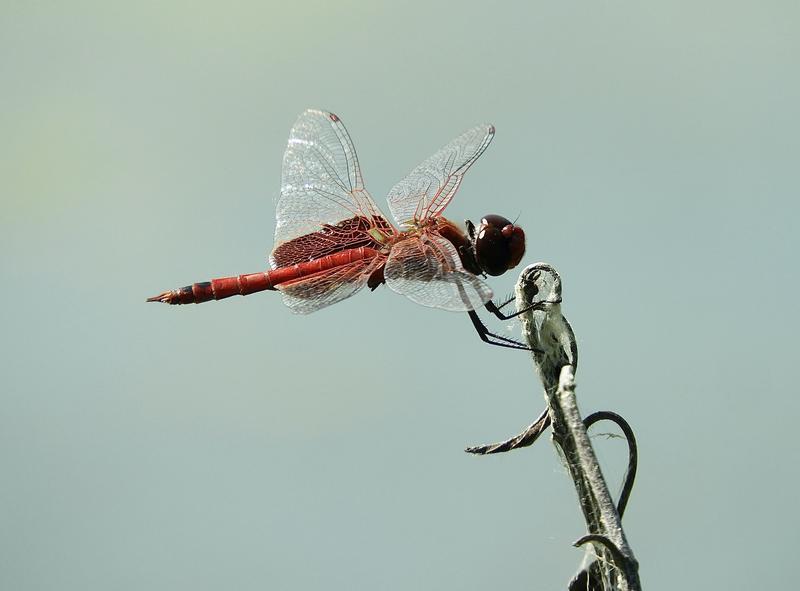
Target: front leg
pixel 499 341
pixel 496 310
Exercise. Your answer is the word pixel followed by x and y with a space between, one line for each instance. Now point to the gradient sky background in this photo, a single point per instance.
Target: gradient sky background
pixel 651 153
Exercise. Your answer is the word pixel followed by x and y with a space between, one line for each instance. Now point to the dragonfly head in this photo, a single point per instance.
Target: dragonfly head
pixel 498 244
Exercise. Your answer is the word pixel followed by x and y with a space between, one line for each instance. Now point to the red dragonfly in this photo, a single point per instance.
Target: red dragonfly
pixel 331 239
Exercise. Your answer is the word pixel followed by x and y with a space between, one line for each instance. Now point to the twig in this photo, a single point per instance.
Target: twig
pixel 602 519
pixel 555 355
pixel 593 576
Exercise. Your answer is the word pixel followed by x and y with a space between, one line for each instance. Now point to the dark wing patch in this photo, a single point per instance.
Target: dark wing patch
pixel 330 239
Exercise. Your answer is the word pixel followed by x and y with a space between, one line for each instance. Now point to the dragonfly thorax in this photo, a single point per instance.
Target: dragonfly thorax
pixel 379 236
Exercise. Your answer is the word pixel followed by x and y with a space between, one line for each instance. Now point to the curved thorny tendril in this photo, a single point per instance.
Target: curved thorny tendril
pixel 633 452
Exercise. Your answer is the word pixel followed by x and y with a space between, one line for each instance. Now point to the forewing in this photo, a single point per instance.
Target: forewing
pixel 427 269
pixel 314 292
pixel 321 181
pixel 429 188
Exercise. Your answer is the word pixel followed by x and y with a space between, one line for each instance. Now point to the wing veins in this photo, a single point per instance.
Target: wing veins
pixel 430 187
pixel 352 167
pixel 333 173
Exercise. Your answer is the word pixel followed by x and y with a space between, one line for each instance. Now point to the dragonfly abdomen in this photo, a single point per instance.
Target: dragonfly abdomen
pixel 216 289
pixel 225 287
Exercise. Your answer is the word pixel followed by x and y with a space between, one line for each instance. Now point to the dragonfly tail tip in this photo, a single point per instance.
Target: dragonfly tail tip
pixel 165 298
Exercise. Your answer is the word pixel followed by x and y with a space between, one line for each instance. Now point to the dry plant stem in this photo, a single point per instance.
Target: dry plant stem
pixel 602 519
pixel 555 356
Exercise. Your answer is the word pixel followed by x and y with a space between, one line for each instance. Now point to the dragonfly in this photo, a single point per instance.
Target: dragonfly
pixel 332 240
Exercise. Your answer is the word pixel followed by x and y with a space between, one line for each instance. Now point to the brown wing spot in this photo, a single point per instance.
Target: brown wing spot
pixel 350 233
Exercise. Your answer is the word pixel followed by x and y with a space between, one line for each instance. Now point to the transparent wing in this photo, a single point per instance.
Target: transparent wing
pixel 429 188
pixel 323 289
pixel 321 182
pixel 427 269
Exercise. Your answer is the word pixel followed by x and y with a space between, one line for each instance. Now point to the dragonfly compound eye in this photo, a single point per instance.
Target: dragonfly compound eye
pixel 499 244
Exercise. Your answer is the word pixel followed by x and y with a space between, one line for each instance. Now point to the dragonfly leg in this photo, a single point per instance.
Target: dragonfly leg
pixel 505 303
pixel 499 341
pixel 496 310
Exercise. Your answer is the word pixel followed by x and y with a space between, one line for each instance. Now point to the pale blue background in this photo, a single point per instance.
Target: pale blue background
pixel 650 151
